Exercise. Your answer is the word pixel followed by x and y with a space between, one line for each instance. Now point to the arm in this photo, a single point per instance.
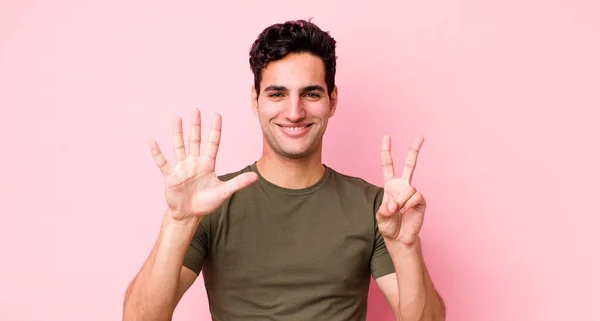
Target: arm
pixel 192 190
pixel 162 281
pixel 410 291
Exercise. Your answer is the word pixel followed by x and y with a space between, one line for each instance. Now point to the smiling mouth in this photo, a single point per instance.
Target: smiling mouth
pixel 295 131
pixel 294 128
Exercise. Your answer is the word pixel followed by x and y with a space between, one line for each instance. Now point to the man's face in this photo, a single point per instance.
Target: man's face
pixel 293 106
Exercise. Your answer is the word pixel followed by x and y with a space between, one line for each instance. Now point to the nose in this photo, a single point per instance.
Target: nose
pixel 296 112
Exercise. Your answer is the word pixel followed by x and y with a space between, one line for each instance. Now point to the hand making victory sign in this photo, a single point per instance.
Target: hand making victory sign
pixel 401 214
pixel 192 188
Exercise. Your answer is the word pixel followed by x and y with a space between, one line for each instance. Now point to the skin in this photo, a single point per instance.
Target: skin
pixel 410 291
pixel 292 94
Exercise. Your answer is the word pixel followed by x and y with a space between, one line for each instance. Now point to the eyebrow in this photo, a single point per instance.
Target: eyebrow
pixel 305 89
pixel 314 88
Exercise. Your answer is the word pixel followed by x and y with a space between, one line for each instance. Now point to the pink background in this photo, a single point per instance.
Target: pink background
pixel 506 93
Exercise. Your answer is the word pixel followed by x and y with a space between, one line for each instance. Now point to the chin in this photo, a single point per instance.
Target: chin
pixel 299 156
pixel 293 154
pixel 297 152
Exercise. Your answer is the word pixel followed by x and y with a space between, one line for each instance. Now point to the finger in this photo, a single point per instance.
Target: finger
pixel 178 145
pixel 411 160
pixel 237 183
pixel 386 212
pixel 195 133
pixel 383 213
pixel 214 138
pixel 387 164
pixel 159 158
pixel 393 207
pixel 386 197
pixel 404 195
pixel 387 209
pixel 413 201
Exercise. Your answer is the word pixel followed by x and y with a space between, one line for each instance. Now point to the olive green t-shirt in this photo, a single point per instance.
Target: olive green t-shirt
pixel 271 253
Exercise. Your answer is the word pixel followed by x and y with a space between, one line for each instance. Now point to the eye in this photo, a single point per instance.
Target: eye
pixel 313 95
pixel 275 95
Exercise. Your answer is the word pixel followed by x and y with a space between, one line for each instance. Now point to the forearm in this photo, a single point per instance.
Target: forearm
pixel 418 298
pixel 152 294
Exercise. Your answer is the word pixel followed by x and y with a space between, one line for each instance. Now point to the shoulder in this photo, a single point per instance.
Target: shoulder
pixel 353 181
pixel 225 177
pixel 357 186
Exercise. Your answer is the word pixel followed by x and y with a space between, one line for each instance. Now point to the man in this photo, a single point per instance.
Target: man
pixel 287 237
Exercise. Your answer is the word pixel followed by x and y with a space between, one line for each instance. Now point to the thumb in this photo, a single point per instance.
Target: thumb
pixel 237 183
pixel 386 210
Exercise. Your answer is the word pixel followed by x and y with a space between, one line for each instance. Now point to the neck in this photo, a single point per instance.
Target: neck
pixel 291 173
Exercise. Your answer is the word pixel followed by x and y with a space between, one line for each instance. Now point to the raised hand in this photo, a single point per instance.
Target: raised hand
pixel 192 188
pixel 402 211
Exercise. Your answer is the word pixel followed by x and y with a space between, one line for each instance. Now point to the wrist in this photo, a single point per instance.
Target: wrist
pixel 403 248
pixel 179 230
pixel 181 221
pixel 405 256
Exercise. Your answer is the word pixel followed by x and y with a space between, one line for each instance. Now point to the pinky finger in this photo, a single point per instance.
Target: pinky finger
pixel 159 158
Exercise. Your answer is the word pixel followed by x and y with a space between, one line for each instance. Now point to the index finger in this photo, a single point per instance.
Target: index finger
pixel 411 160
pixel 387 164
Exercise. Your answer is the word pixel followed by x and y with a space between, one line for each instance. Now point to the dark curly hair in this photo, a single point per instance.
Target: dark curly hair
pixel 278 40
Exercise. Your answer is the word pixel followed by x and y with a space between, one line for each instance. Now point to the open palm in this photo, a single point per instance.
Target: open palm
pixel 192 188
pixel 402 211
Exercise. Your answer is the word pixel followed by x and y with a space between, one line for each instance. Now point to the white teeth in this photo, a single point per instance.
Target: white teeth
pixel 294 128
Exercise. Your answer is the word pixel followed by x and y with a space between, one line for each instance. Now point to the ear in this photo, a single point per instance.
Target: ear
pixel 254 101
pixel 333 100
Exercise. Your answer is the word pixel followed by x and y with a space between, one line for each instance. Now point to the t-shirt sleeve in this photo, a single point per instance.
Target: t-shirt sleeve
pixel 381 261
pixel 198 248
